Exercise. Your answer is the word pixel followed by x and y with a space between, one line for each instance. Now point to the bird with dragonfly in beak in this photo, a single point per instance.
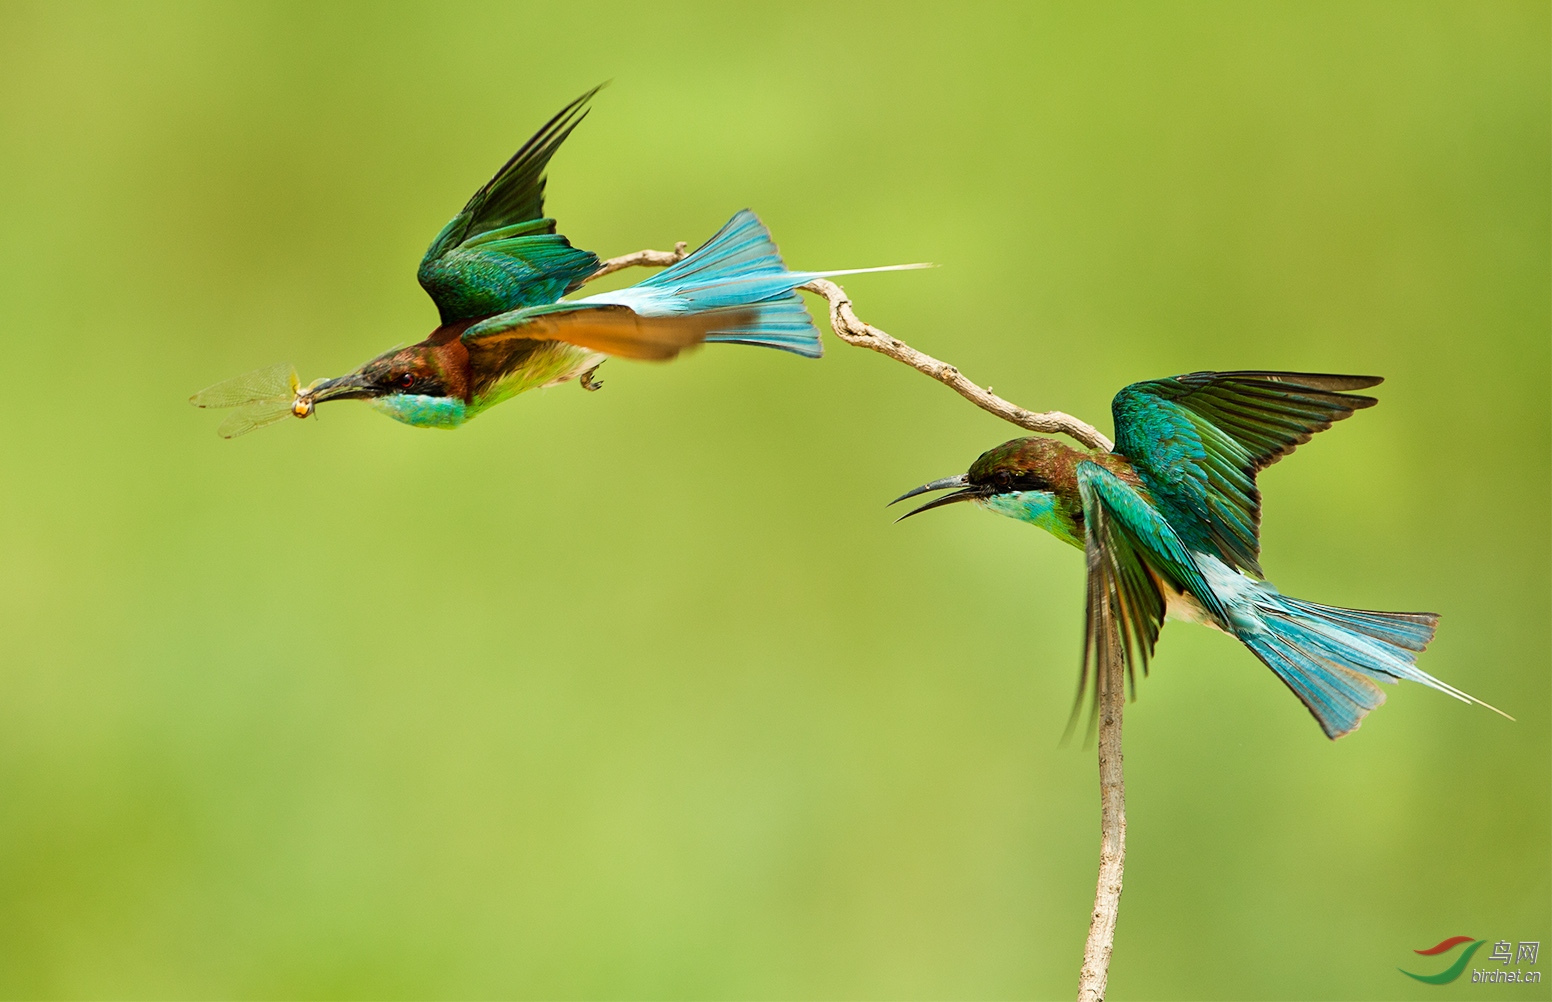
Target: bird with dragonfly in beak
pixel 497 273
pixel 1170 524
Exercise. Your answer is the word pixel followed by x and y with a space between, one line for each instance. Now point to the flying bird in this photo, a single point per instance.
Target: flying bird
pixel 497 273
pixel 1170 524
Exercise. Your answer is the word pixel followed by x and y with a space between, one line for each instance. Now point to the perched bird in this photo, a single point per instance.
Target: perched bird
pixel 1170 523
pixel 497 273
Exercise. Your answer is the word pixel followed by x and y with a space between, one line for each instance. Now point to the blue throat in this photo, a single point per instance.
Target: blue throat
pixel 423 411
pixel 1036 508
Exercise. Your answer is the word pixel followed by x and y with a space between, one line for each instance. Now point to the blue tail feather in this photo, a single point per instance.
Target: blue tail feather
pixel 781 323
pixel 1412 630
pixel 738 268
pixel 742 248
pixel 1336 696
pixel 1332 657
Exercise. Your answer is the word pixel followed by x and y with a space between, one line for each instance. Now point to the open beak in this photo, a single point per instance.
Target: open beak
pixel 966 492
pixel 351 387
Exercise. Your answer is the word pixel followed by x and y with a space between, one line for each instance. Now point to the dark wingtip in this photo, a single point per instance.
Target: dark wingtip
pixel 579 107
pixel 1321 382
pixel 580 101
pixel 1330 381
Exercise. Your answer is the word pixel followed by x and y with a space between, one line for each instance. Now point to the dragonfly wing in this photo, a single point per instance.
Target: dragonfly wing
pixel 253 416
pixel 271 383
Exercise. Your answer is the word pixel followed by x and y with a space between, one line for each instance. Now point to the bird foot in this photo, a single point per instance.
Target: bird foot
pixel 588 382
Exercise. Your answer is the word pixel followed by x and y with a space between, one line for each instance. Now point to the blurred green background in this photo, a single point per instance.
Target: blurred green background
pixel 641 694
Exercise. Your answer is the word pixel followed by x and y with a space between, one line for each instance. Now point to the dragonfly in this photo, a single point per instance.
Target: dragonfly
pixel 259 398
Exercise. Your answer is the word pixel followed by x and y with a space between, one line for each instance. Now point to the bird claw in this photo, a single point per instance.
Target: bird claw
pixel 588 382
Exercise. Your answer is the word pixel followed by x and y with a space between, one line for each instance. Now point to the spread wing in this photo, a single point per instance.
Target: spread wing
pixel 1130 550
pixel 1198 441
pixel 608 329
pixel 501 252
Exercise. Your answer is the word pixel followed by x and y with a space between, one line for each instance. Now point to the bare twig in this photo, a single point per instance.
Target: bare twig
pixel 852 330
pixel 1112 828
pixel 1112 789
pixel 642 258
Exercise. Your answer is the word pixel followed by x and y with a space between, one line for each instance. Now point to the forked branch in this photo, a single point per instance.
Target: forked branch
pixel 1093 977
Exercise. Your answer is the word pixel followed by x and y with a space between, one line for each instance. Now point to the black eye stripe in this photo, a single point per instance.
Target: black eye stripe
pixel 1006 481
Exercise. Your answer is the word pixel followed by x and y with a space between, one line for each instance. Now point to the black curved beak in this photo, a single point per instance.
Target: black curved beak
pixel 351 387
pixel 967 492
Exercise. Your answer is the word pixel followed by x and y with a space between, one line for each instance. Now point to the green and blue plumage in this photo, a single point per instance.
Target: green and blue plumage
pixel 498 273
pixel 1170 524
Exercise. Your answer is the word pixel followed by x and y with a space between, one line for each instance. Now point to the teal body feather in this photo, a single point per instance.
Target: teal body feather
pixel 1169 523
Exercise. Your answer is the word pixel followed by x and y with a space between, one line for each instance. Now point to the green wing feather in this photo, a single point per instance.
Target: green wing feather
pixel 1130 546
pixel 501 252
pixel 1198 440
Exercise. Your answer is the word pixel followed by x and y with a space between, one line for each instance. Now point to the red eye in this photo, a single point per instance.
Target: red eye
pixel 407 380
